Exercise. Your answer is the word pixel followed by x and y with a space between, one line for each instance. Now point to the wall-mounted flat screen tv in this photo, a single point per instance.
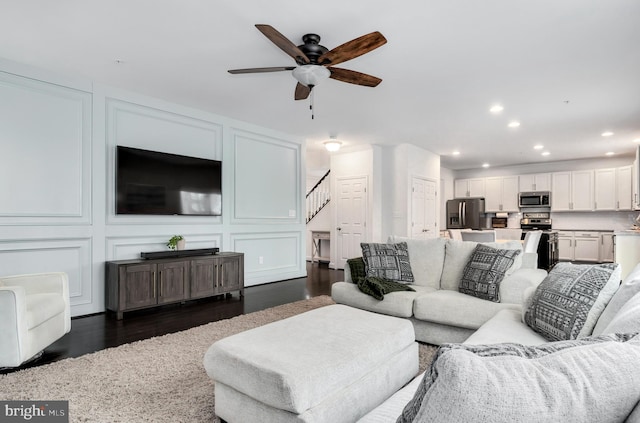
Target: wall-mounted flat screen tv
pixel 155 183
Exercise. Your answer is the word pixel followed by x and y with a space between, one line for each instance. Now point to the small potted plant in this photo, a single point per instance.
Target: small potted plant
pixel 176 242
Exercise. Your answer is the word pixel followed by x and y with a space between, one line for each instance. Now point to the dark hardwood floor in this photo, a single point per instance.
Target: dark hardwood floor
pixel 99 331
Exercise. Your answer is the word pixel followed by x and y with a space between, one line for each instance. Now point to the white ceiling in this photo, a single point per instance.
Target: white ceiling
pixel 567 70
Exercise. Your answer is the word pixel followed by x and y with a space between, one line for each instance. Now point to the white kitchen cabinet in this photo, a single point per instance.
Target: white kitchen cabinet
pixel 565 245
pixel 606 247
pixel 572 191
pixel 501 194
pixel 469 188
pixel 624 188
pixel 605 189
pixel 535 182
pixel 586 246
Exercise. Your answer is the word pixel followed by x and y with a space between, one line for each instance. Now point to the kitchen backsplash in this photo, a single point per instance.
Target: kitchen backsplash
pixel 606 221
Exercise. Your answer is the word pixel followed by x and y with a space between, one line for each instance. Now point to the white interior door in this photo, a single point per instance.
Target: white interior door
pixel 423 208
pixel 351 218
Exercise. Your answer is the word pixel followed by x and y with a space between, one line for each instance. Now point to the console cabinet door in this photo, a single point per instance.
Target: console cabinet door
pixel 137 286
pixel 203 277
pixel 173 281
pixel 231 269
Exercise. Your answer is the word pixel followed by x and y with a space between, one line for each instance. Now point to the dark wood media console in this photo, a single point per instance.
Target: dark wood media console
pixel 144 283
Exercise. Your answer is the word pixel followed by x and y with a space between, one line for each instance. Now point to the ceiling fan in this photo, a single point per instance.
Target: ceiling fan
pixel 315 62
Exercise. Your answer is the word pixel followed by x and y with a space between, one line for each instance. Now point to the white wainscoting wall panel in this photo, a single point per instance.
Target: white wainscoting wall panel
pixel 58 138
pixel 267 177
pixel 45 164
pixel 72 256
pixel 269 254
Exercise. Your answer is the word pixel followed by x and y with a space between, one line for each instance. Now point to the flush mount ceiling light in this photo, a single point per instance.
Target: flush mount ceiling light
pixel 513 124
pixel 607 133
pixel 496 109
pixel 332 144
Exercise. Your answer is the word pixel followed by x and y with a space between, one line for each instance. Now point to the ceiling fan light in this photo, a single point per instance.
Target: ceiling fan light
pixel 311 75
pixel 332 145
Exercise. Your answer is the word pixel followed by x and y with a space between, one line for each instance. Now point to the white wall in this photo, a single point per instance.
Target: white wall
pixel 402 163
pixel 57 183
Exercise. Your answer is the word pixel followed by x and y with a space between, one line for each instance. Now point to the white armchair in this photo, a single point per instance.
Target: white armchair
pixel 34 313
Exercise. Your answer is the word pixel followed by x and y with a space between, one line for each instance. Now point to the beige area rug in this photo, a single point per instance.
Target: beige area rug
pixel 160 379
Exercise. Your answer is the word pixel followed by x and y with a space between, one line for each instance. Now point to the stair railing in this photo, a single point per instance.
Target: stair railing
pixel 318 196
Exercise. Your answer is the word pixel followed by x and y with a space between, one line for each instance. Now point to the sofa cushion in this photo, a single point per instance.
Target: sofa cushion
pixel 567 304
pixel 589 380
pixel 388 261
pixel 457 254
pixel 505 326
pixel 42 307
pixel 628 289
pixel 456 309
pixel 485 270
pixel 399 304
pixel 427 259
pixel 628 318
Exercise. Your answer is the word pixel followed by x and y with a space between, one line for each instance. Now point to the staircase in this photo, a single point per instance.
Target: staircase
pixel 318 197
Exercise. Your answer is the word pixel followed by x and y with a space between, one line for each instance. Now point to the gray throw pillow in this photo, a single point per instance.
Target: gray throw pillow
pixel 568 302
pixel 387 261
pixel 485 270
pixel 589 380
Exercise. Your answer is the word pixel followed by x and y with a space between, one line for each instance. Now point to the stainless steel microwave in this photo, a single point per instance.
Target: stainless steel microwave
pixel 534 199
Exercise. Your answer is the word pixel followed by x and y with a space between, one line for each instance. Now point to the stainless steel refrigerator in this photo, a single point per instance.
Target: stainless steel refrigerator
pixel 466 213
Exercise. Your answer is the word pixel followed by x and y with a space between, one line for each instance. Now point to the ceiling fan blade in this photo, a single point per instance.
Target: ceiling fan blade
pixel 262 70
pixel 353 77
pixel 352 49
pixel 302 92
pixel 283 43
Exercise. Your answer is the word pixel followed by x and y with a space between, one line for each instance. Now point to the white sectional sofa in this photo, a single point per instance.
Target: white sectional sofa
pixel 621 316
pixel 440 313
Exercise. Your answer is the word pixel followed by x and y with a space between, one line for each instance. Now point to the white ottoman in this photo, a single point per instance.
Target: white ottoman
pixel 332 364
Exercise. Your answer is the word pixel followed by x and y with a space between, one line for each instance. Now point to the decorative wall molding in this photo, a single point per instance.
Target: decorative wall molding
pixel 45 177
pixel 70 255
pixel 125 248
pixel 141 126
pixel 280 253
pixel 267 177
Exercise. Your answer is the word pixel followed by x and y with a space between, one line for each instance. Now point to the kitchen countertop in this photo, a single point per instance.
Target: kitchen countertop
pixel 584 230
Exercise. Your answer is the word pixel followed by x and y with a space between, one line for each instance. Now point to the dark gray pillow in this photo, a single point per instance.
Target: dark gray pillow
pixel 387 261
pixel 568 302
pixel 485 270
pixel 514 382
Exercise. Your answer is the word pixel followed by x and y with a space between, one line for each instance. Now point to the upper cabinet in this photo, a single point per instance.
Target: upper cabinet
pixel 469 188
pixel 535 182
pixel 572 191
pixel 501 194
pixel 613 189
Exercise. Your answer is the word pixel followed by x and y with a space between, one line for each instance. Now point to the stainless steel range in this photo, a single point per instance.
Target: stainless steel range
pixel 548 253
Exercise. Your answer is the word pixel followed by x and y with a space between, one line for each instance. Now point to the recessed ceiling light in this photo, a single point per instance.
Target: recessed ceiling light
pixel 538 147
pixel 496 108
pixel 545 153
pixel 607 134
pixel 485 164
pixel 609 153
pixel 513 124
pixel 456 153
pixel 637 140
